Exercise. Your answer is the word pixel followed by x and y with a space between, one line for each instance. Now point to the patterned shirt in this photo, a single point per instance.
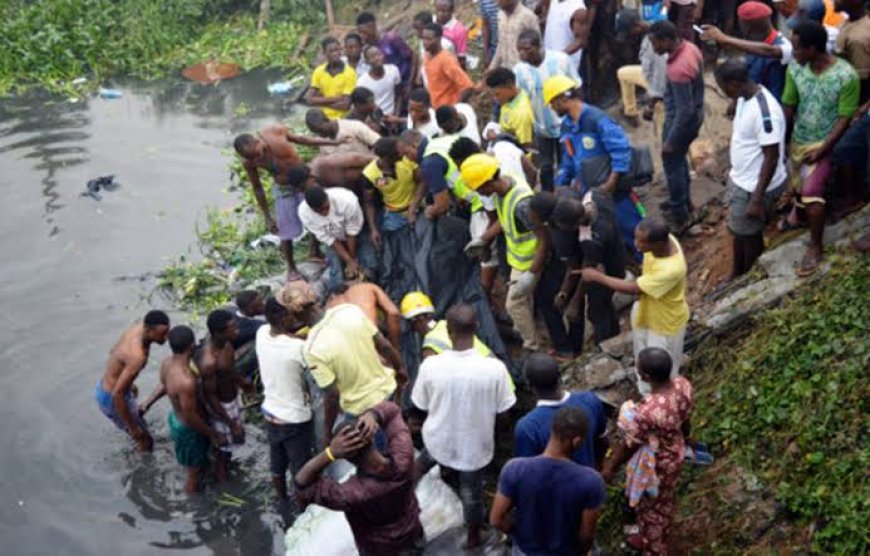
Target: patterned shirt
pixel 509 28
pixel 820 99
pixel 531 80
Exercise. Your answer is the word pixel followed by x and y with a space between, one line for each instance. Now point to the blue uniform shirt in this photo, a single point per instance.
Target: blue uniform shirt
pixel 593 134
pixel 770 72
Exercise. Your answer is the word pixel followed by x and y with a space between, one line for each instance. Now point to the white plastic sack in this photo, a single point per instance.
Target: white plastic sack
pixel 327 533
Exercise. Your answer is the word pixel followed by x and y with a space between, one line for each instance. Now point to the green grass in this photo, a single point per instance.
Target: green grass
pixel 789 404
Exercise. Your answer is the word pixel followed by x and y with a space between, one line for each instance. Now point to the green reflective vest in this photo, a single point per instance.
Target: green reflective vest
pixel 520 246
pixel 438 340
pixel 441 147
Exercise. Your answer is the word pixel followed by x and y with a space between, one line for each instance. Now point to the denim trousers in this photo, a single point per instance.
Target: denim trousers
pixel 676 168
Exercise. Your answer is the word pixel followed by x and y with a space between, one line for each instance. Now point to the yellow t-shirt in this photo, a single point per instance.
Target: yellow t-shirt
pixel 340 351
pixel 518 118
pixel 397 192
pixel 333 86
pixel 662 307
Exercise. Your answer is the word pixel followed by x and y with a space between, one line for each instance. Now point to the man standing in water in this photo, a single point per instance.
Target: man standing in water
pixel 116 393
pixel 216 361
pixel 188 423
pixel 272 150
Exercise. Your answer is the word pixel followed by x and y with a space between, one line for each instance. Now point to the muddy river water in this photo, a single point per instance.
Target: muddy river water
pixel 73 275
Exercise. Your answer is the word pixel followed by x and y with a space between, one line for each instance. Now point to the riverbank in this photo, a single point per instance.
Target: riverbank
pixel 72 47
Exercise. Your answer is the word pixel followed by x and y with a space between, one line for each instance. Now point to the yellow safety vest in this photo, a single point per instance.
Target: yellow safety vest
pixel 438 341
pixel 520 246
pixel 441 147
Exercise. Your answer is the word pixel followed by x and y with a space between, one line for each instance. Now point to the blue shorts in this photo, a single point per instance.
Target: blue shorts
pixel 107 407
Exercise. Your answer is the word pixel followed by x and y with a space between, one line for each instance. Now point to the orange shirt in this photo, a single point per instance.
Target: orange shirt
pixel 446 78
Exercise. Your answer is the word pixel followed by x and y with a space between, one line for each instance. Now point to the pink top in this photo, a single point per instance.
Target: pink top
pixel 455 32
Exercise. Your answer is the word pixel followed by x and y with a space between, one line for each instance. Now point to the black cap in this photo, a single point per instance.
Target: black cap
pixel 626 19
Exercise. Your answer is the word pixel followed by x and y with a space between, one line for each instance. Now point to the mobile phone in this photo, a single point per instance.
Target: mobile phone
pixel 697 29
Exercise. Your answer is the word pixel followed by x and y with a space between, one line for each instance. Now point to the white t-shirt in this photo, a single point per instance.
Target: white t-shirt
pixel 470 130
pixel 509 157
pixel 748 137
pixel 463 392
pixel 383 88
pixel 429 130
pixel 345 217
pixel 282 370
pixel 557 32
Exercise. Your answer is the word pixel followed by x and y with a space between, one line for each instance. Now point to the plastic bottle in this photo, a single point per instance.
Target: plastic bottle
pixel 110 93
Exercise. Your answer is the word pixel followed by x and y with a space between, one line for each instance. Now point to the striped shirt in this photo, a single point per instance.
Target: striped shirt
pixel 531 80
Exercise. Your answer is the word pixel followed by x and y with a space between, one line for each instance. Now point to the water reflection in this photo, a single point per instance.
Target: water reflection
pixel 52 132
pixel 55 132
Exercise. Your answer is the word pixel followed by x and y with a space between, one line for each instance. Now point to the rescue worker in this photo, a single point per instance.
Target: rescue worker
pixel 527 243
pixel 592 140
pixel 418 310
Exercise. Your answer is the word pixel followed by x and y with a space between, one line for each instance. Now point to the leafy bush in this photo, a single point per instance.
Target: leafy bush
pixel 51 42
pixel 790 403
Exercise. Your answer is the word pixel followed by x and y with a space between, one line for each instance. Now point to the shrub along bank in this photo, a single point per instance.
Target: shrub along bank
pixel 786 403
pixel 49 43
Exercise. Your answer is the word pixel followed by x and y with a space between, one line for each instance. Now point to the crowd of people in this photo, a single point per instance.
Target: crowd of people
pixel 542 196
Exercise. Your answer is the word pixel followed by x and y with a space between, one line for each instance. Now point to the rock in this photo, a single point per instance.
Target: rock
pixel 695 231
pixel 618 346
pixel 601 372
pixel 737 307
pixel 782 261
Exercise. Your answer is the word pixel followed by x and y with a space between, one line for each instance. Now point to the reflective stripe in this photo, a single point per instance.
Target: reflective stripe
pixel 521 247
pixel 441 147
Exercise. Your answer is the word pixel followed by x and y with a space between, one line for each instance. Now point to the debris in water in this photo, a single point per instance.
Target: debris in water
pixel 110 93
pixel 102 183
pixel 211 72
pixel 281 88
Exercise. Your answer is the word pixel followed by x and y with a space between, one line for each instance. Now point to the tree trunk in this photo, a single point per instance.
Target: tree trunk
pixel 264 15
pixel 330 14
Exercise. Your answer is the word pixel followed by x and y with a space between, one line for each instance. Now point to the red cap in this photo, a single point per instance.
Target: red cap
pixel 751 11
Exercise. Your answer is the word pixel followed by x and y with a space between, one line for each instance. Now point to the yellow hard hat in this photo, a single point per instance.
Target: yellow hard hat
pixel 557 85
pixel 415 304
pixel 478 169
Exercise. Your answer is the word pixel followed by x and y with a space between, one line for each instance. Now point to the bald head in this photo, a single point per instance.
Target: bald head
pixel 461 321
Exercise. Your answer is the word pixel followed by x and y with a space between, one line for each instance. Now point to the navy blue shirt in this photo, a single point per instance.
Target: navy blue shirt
pixel 550 496
pixel 532 431
pixel 769 72
pixel 433 168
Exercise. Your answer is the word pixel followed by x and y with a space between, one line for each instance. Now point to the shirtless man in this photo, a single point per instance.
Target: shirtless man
pixel 115 392
pixel 216 361
pixel 375 303
pixel 272 150
pixel 188 421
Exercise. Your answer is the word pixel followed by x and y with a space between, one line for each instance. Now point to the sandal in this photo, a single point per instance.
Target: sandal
pixel 809 265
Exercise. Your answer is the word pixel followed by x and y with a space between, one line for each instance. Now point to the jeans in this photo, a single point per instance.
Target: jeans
pixel 676 168
pixel 290 446
pixel 470 487
pixel 551 152
pixel 564 340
